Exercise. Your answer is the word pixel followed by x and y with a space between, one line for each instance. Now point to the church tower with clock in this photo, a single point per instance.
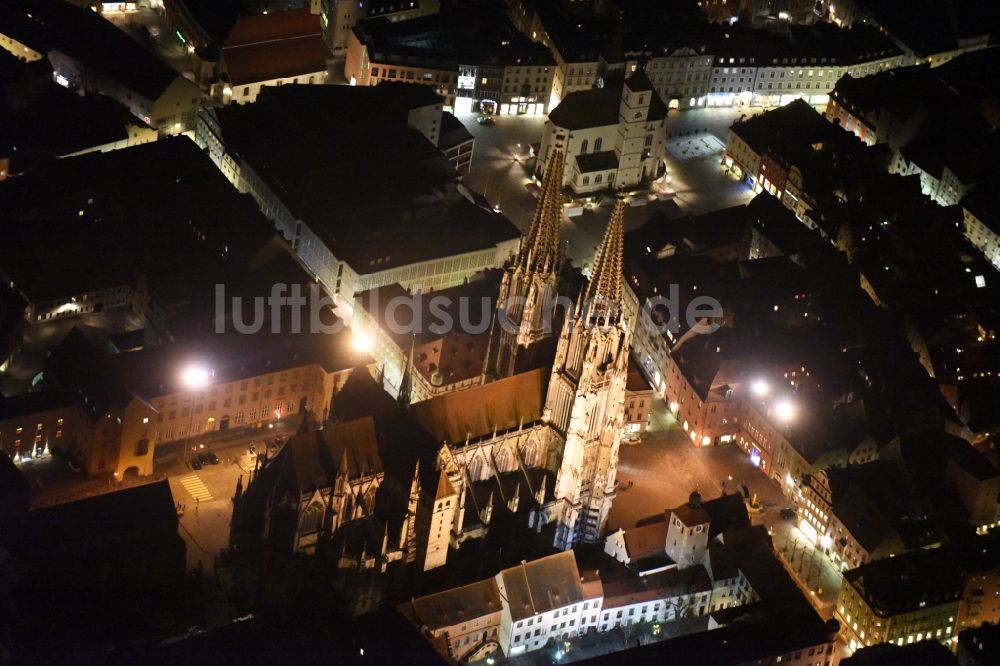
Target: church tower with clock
pixel 636 128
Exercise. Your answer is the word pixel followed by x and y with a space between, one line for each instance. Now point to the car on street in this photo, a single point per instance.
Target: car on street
pixel 196 463
pixel 485 120
pixel 788 513
pixel 210 458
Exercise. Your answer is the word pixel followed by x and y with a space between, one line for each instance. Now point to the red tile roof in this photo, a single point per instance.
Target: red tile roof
pixel 274 46
pixel 275 60
pixel 273 27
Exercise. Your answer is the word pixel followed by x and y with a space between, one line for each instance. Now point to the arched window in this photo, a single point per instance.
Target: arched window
pixel 370 501
pixel 475 468
pixel 649 140
pixel 348 508
pixel 530 454
pixel 586 180
pixel 583 146
pixel 598 142
pixel 311 518
pixel 503 461
pixel 599 178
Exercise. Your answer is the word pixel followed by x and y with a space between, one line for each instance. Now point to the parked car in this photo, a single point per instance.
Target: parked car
pixel 196 463
pixel 788 513
pixel 211 458
pixel 485 120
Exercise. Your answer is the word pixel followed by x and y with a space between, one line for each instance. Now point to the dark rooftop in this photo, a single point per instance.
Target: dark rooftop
pixel 597 108
pixel 929 652
pixel 177 204
pixel 88 38
pixel 41 120
pixel 899 584
pixel 337 182
pixel 35 402
pixel 471 36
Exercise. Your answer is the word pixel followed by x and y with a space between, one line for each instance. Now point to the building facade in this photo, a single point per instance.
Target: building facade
pixel 610 141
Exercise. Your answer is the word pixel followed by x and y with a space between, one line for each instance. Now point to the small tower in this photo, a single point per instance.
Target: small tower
pixel 639 136
pixel 527 292
pixel 586 395
pixel 687 532
pixel 437 518
pixel 405 396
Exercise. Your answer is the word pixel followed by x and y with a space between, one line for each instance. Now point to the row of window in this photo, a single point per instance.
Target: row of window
pixel 410 75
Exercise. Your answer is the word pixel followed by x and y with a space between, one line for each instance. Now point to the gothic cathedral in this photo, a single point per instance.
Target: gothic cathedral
pixel 585 397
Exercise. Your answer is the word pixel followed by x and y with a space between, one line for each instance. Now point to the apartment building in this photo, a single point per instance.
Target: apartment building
pixel 902 600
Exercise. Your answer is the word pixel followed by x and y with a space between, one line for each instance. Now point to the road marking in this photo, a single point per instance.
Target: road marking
pixel 195 487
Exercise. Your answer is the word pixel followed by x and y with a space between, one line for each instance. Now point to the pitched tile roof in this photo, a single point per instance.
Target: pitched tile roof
pixel 481 410
pixel 458 604
pixel 541 585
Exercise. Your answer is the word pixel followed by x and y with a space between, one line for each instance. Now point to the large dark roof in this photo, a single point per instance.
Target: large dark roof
pixel 597 108
pixel 41 120
pixel 216 17
pixel 903 583
pixel 818 44
pixel 470 36
pixel 931 26
pixel 86 37
pixel 35 402
pixel 176 204
pixel 124 515
pixel 453 132
pixel 80 365
pixel 337 182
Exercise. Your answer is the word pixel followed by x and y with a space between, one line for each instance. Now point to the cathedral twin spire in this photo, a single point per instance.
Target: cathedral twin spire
pixel 540 246
pixel 604 291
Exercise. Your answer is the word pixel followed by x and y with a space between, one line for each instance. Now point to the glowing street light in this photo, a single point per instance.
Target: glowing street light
pixel 363 342
pixel 760 388
pixel 195 377
pixel 785 410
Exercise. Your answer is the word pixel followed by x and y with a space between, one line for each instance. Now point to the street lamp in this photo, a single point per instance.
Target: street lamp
pixel 363 342
pixel 760 388
pixel 785 410
pixel 194 378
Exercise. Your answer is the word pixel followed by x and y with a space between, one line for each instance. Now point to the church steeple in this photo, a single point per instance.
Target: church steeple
pixel 604 292
pixel 527 293
pixel 406 381
pixel 540 249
